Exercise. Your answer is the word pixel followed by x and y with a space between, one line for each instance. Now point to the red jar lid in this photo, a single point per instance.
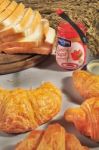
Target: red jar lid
pixel 65 30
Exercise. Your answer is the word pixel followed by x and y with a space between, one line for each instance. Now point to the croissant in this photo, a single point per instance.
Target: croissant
pixel 53 138
pixel 86 118
pixel 86 83
pixel 22 110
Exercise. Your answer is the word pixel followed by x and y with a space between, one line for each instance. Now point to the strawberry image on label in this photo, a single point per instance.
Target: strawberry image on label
pixel 76 54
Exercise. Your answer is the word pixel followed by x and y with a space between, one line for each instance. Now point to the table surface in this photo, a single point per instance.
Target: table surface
pixel 33 77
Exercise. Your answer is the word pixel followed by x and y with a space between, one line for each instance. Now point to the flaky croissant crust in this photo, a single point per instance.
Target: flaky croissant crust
pixel 22 110
pixel 86 118
pixel 53 138
pixel 86 83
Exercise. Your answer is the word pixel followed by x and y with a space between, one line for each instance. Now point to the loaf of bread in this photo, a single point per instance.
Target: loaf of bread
pixel 24 26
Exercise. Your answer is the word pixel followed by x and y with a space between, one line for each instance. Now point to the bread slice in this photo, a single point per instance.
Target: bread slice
pixel 35 22
pixel 37 36
pixel 25 22
pixel 4 5
pixel 1 1
pixel 45 23
pixel 8 11
pixel 25 48
pixel 27 25
pixel 50 36
pixel 32 44
pixel 25 31
pixel 11 37
pixel 13 19
pixel 15 16
pixel 41 30
pixel 9 30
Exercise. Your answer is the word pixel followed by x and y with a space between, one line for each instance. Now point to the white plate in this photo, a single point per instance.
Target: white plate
pixel 48 71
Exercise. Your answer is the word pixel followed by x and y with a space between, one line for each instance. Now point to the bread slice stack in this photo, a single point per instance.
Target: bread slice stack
pixel 23 30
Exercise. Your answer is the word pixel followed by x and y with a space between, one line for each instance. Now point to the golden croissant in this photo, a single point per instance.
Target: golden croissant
pixel 53 138
pixel 86 118
pixel 86 83
pixel 22 110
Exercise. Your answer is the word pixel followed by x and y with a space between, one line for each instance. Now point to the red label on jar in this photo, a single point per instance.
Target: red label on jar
pixel 69 55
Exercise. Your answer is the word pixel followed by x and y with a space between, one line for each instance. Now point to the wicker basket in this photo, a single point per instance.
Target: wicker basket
pixel 86 11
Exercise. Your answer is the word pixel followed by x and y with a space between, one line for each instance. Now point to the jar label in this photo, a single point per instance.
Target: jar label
pixel 72 57
pixel 64 42
pixel 70 50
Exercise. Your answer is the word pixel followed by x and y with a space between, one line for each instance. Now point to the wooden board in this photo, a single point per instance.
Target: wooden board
pixel 14 63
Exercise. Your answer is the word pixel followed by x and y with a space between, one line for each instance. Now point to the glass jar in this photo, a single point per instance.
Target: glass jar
pixel 70 51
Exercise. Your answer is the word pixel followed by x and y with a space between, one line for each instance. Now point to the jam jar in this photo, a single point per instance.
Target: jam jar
pixel 70 51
